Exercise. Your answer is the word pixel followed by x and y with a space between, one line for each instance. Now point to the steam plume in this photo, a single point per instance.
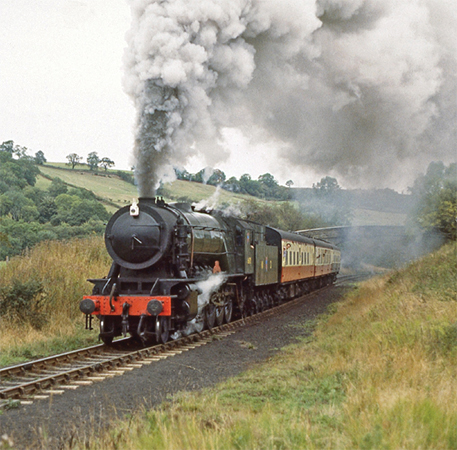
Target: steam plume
pixel 351 87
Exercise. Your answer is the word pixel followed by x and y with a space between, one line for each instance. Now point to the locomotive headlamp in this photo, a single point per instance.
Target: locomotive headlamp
pixel 154 307
pixel 134 209
pixel 87 306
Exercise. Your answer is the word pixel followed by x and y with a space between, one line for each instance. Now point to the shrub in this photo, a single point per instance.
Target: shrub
pixel 21 301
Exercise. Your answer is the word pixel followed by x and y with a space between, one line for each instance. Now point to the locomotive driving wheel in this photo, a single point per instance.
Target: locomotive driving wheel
pixel 219 301
pixel 210 315
pixel 228 310
pixel 220 312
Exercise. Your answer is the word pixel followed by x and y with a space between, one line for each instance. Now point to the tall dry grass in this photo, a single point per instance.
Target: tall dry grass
pixel 61 268
pixel 379 373
pixel 395 339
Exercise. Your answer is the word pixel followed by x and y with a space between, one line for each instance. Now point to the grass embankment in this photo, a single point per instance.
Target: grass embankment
pixel 108 186
pixel 379 373
pixel 39 298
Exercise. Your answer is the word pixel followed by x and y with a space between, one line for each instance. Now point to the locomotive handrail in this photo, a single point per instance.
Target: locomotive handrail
pixel 213 253
pixel 201 227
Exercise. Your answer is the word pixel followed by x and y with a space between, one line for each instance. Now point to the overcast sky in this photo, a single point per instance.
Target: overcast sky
pixel 61 71
pixel 60 77
pixel 61 84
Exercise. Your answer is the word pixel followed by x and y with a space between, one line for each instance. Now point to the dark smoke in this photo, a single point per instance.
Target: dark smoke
pixel 361 89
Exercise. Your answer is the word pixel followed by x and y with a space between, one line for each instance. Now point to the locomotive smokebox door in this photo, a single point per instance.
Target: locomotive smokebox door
pixel 139 236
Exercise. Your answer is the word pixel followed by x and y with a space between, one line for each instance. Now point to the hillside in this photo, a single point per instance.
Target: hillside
pixel 375 207
pixel 369 207
pixel 115 192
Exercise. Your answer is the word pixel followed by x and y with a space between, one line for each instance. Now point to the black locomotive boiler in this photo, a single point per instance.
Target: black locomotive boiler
pixel 176 270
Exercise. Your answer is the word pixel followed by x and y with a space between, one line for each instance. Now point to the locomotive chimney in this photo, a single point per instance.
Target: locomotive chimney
pixel 147 201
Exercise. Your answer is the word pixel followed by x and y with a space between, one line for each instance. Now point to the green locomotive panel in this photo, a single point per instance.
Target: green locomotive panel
pixel 266 264
pixel 249 253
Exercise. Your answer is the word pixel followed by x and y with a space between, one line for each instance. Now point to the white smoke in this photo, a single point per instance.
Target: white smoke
pixel 208 203
pixel 205 288
pixel 361 89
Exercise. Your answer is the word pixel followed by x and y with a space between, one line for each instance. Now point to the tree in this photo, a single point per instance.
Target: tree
pixel 268 180
pixel 106 163
pixel 198 177
pixel 57 187
pixel 250 186
pixel 435 194
pixel 17 150
pixel 73 160
pixel 216 178
pixel 182 174
pixel 284 216
pixel 7 146
pixel 93 160
pixel 47 209
pixel 289 183
pixel 327 185
pixel 18 206
pixel 232 185
pixel 16 172
pixel 39 158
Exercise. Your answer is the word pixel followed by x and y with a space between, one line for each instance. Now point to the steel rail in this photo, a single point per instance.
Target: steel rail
pixel 25 380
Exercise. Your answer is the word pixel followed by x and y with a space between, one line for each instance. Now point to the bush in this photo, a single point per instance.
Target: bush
pixel 21 301
pixel 435 194
pixel 126 176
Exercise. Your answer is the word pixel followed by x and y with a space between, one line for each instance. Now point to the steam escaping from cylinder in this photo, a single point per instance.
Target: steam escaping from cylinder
pixel 205 288
pixel 362 89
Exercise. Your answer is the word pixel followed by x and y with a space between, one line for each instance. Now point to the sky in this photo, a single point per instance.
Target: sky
pixel 60 78
pixel 63 76
pixel 61 85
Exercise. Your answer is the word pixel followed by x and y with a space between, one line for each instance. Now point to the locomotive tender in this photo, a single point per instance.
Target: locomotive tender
pixel 163 254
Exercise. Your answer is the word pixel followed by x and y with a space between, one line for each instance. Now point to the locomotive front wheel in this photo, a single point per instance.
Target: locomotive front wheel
pixel 162 330
pixel 106 326
pixel 210 316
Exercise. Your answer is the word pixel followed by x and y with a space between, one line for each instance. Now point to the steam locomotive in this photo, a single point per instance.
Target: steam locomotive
pixel 176 270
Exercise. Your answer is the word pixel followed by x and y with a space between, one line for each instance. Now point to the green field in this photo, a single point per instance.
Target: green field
pixel 109 187
pixel 106 186
pixel 114 192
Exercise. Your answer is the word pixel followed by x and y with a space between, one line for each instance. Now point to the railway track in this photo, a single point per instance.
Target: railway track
pixel 35 380
pixel 354 278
